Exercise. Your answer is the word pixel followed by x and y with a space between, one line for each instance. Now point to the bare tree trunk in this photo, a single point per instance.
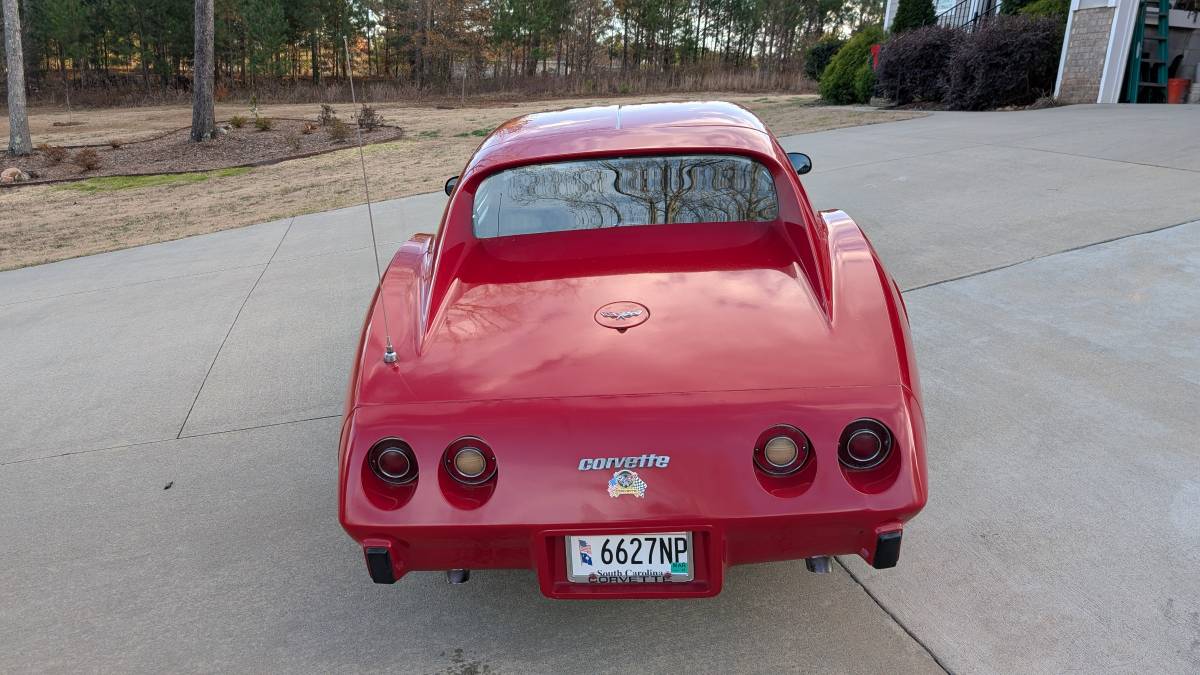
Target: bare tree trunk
pixel 314 48
pixel 18 123
pixel 426 50
pixel 202 73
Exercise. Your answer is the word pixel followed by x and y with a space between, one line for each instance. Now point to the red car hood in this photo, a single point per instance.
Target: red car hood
pixel 513 328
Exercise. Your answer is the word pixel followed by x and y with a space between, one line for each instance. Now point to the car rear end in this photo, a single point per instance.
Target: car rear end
pixel 649 495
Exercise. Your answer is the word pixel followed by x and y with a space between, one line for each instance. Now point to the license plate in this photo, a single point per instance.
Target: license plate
pixel 630 558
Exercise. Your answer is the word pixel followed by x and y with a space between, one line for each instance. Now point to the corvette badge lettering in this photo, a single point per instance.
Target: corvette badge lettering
pixel 634 462
pixel 626 482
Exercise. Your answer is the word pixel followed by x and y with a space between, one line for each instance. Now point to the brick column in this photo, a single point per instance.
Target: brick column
pixel 1087 46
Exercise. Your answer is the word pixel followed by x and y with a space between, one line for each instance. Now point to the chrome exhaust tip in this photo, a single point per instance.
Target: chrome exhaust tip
pixel 458 576
pixel 819 564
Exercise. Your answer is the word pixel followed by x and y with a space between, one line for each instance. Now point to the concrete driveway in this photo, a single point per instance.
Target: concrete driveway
pixel 170 416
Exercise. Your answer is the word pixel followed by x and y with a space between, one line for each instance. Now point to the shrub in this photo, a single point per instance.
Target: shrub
pixel 54 154
pixel 912 14
pixel 864 84
pixel 817 57
pixel 1054 9
pixel 237 121
pixel 1010 60
pixel 263 123
pixel 1013 7
pixel 293 140
pixel 86 159
pixel 338 130
pixel 368 119
pixel 327 115
pixel 912 66
pixel 843 80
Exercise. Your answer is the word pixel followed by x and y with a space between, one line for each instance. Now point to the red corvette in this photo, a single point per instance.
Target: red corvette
pixel 632 356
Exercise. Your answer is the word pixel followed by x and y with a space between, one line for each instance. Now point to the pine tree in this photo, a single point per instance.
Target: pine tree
pixel 202 73
pixel 912 14
pixel 18 123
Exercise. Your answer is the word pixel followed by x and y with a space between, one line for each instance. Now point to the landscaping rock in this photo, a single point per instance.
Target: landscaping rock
pixel 13 175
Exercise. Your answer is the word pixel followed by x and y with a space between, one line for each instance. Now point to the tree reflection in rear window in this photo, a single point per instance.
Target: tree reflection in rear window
pixel 598 193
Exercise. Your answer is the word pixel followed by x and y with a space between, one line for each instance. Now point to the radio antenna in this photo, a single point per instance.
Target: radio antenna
pixel 389 354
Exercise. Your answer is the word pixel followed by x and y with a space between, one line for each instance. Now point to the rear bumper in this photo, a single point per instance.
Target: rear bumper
pixel 716 546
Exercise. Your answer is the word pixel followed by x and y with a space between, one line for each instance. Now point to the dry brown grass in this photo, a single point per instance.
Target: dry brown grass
pixel 55 222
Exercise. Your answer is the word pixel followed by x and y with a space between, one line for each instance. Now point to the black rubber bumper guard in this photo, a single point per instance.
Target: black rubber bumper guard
pixel 379 565
pixel 887 550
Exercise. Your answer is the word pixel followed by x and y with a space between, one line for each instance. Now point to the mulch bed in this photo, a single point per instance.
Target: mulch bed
pixel 175 153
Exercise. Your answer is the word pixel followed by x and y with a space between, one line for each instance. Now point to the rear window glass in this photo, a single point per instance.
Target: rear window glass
pixel 597 193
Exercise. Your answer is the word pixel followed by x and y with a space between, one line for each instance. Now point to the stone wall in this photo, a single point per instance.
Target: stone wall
pixel 1086 47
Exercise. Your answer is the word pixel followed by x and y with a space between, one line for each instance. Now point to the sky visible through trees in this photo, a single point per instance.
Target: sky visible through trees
pixel 426 44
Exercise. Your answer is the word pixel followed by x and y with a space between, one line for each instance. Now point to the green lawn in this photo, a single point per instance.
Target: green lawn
pixel 109 183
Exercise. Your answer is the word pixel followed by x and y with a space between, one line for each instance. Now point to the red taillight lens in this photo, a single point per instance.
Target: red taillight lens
pixel 393 461
pixel 781 450
pixel 470 461
pixel 864 444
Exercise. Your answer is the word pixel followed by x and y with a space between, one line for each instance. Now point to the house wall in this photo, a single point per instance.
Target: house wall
pixel 1180 42
pixel 1189 46
pixel 1185 39
pixel 1086 52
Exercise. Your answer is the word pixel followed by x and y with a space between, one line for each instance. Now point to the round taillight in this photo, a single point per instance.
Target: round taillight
pixel 393 461
pixel 470 461
pixel 781 450
pixel 864 444
pixel 393 464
